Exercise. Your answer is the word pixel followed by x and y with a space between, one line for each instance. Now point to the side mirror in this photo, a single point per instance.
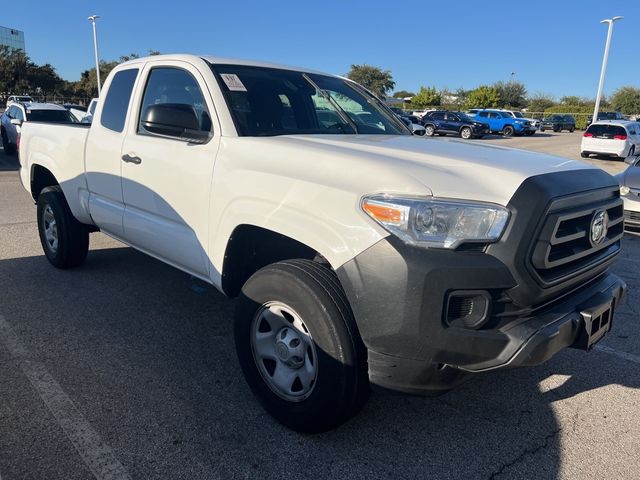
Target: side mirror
pixel 16 121
pixel 174 120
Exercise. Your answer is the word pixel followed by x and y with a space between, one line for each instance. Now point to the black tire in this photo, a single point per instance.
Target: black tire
pixel 466 133
pixel 9 149
pixel 632 152
pixel 508 131
pixel 572 129
pixel 72 236
pixel 341 387
pixel 429 130
pixel 584 155
pixel 542 129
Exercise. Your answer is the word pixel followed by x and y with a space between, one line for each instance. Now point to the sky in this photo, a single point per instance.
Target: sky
pixel 554 47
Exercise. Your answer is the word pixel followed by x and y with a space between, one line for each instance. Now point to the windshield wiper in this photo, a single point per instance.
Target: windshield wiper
pixel 343 115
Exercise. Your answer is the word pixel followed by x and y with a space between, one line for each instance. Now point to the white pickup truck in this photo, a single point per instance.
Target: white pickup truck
pixel 361 255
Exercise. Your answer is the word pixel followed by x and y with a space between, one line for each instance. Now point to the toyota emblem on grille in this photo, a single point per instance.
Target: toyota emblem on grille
pixel 599 227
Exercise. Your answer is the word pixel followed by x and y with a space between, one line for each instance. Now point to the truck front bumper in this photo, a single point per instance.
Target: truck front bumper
pixel 400 297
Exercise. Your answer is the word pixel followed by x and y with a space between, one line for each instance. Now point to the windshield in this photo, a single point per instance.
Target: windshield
pixel 517 115
pixel 55 116
pixel 268 101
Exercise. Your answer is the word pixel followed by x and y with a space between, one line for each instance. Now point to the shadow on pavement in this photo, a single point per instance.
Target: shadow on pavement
pixel 147 353
pixel 8 163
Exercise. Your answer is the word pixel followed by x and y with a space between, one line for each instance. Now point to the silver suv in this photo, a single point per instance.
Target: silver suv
pixel 18 113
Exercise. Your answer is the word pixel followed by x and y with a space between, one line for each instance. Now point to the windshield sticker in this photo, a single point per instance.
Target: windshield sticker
pixel 233 82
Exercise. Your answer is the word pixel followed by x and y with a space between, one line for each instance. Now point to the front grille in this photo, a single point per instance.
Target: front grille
pixel 630 216
pixel 564 247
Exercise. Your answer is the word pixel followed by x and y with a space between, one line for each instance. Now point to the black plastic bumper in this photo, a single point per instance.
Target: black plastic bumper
pixel 399 293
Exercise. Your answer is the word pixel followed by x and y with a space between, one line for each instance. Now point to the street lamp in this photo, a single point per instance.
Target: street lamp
pixel 604 64
pixel 93 19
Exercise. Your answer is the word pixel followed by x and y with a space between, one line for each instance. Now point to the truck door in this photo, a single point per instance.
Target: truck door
pixel 166 178
pixel 103 150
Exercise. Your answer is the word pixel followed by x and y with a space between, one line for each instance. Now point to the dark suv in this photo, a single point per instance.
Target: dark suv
pixel 457 123
pixel 557 123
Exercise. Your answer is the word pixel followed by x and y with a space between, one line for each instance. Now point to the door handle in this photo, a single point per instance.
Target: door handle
pixel 130 159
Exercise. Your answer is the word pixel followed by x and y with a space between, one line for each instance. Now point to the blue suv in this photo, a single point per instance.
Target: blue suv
pixel 504 124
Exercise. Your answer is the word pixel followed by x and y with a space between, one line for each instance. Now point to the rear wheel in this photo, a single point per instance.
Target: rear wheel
pixel 508 131
pixel 65 241
pixel 299 347
pixel 572 129
pixel 542 129
pixel 429 130
pixel 465 133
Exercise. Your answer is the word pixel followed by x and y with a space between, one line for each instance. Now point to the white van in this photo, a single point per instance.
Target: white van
pixel 618 138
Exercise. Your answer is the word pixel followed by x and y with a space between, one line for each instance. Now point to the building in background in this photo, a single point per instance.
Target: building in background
pixel 12 38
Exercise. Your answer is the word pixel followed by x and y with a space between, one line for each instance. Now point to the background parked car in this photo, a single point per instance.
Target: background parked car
pixel 503 123
pixel 78 111
pixel 606 116
pixel 533 121
pixel 613 138
pixel 557 123
pixel 17 113
pixel 19 99
pixel 457 123
pixel 629 181
pixel 416 128
pixel 90 111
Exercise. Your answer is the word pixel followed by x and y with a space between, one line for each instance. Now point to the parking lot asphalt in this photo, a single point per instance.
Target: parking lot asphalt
pixel 125 368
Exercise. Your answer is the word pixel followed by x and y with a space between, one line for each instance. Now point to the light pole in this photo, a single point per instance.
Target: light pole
pixel 604 64
pixel 93 19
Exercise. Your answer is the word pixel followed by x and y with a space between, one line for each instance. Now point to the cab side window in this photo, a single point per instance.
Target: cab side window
pixel 178 88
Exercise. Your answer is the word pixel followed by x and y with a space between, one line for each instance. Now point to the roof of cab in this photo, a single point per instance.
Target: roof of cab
pixel 214 60
pixel 42 106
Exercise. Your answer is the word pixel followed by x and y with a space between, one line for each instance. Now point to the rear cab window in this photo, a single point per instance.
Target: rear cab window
pixel 116 103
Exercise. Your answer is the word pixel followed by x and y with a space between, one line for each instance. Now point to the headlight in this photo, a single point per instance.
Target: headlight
pixel 437 223
pixel 624 190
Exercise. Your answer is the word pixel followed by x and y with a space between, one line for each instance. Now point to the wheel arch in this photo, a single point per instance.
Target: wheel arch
pixel 40 178
pixel 250 247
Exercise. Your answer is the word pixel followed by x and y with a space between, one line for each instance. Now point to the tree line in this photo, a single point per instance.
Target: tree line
pixel 19 75
pixel 511 94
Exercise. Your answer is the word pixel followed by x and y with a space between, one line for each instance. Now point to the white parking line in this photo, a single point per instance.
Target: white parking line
pixel 96 454
pixel 627 356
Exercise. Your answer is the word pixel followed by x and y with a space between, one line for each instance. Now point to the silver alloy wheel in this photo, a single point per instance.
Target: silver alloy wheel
pixel 50 229
pixel 429 131
pixel 284 352
pixel 465 133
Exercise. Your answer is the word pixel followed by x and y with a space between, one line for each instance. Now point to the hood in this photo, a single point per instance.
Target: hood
pixel 449 168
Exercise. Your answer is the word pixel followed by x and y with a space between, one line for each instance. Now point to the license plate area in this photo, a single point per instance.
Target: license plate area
pixel 596 322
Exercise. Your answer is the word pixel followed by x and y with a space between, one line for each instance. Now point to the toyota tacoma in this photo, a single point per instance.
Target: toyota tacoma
pixel 360 255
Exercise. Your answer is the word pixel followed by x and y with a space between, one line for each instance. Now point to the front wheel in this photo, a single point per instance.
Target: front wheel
pixel 508 131
pixel 65 241
pixel 572 129
pixel 429 130
pixel 299 347
pixel 465 133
